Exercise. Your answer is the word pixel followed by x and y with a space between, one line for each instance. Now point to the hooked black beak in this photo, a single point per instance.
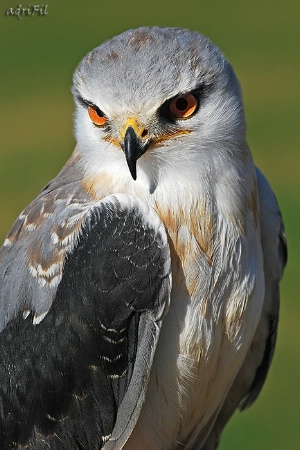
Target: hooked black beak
pixel 133 149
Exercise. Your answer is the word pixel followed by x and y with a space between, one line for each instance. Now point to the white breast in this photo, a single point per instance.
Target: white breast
pixel 217 286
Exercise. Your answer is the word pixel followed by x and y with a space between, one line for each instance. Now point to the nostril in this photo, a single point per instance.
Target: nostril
pixel 144 133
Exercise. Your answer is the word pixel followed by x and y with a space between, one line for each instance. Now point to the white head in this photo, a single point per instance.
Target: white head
pixel 155 102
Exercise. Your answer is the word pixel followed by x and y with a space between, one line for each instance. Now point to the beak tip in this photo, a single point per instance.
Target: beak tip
pixel 133 172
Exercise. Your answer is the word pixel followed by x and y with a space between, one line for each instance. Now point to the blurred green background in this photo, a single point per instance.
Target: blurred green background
pixel 262 41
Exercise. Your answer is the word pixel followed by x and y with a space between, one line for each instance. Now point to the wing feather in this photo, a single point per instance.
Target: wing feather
pixel 78 378
pixel 275 258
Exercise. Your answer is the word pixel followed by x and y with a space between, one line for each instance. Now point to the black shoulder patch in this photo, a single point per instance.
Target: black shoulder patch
pixel 80 376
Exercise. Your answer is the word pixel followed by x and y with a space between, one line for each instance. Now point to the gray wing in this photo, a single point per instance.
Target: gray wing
pixel 253 373
pixel 33 254
pixel 275 258
pixel 78 378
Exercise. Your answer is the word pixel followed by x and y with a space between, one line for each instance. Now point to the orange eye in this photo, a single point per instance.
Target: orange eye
pixel 97 116
pixel 183 106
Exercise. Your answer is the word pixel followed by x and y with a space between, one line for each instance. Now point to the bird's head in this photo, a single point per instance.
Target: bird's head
pixel 153 100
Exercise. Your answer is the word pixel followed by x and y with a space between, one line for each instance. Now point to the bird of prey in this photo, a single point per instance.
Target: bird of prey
pixel 139 291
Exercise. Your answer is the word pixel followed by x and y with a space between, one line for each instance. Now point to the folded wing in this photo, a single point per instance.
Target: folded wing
pixel 78 378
